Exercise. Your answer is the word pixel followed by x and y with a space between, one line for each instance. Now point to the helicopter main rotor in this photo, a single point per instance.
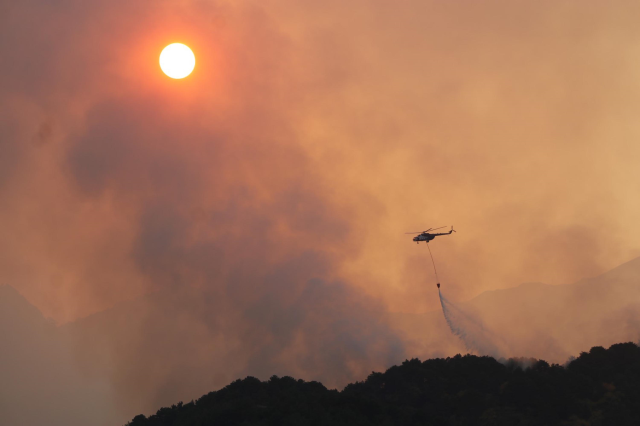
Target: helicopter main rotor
pixel 422 232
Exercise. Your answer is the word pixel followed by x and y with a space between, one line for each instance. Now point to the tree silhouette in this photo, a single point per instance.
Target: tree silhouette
pixel 600 387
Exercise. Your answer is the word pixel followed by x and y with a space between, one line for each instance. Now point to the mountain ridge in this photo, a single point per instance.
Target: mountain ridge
pixel 598 387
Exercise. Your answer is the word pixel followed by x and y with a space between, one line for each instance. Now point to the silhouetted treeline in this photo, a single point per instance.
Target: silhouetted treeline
pixel 601 387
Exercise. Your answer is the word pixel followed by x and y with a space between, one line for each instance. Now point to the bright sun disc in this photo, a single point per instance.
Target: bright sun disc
pixel 177 60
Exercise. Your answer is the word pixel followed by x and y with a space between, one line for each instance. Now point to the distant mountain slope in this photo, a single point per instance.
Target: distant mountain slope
pixel 598 388
pixel 544 321
pixel 554 322
pixel 14 310
pixel 39 383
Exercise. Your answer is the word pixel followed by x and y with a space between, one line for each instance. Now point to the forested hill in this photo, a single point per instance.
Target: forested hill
pixel 601 387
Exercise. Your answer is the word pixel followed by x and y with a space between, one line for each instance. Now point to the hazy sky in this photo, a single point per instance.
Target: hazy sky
pixel 311 136
pixel 329 129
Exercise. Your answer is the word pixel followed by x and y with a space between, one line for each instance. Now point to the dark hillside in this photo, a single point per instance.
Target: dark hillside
pixel 601 387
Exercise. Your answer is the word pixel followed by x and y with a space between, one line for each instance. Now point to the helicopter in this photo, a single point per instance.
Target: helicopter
pixel 426 236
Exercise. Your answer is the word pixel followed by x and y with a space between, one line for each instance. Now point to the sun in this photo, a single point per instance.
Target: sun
pixel 177 60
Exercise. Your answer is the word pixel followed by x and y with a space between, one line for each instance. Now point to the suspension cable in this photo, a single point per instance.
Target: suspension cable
pixel 434 265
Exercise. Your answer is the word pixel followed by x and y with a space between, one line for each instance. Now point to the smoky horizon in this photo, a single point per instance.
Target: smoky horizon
pixel 251 218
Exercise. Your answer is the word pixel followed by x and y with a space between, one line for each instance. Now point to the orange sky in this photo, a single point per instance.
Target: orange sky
pixel 269 192
pixel 330 129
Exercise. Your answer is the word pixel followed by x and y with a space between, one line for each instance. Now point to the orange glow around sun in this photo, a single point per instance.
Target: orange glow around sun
pixel 177 60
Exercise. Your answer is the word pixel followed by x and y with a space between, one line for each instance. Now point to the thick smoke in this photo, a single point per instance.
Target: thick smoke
pixel 197 204
pixel 294 107
pixel 250 219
